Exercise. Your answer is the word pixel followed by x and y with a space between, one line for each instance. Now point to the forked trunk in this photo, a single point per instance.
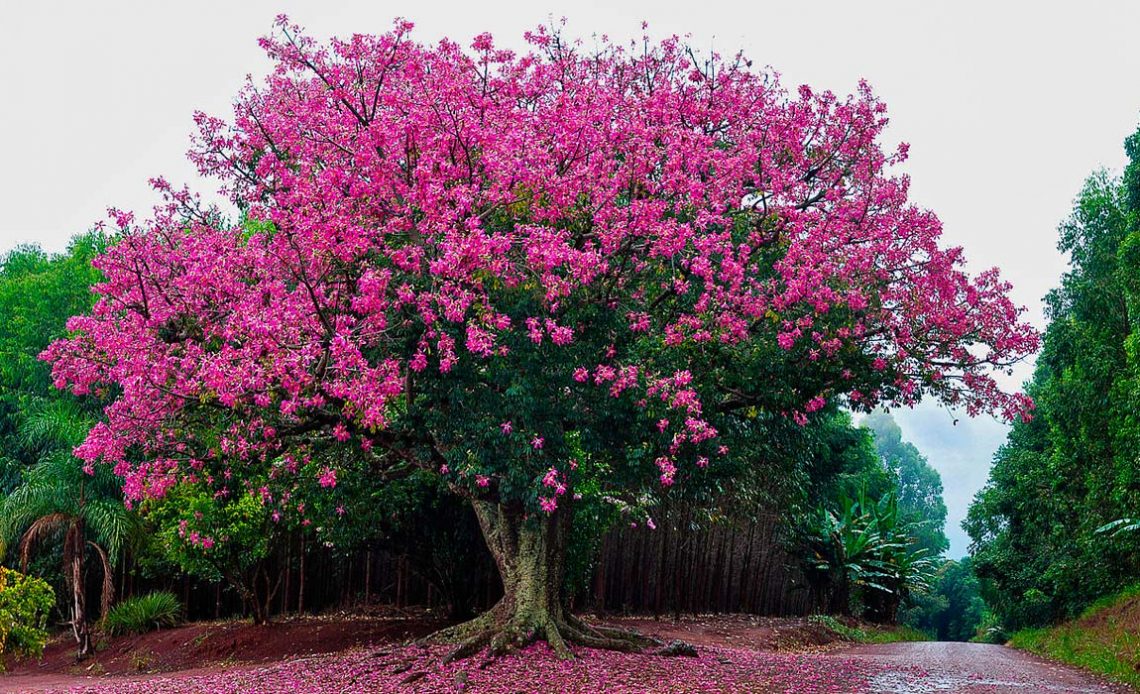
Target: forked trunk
pixel 530 555
pixel 79 626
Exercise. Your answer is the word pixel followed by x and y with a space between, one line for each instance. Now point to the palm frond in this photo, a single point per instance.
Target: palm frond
pixel 54 423
pixel 40 529
pixel 112 524
pixel 28 502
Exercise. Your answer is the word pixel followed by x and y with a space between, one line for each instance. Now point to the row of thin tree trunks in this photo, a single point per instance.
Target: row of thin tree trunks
pixel 675 569
pixel 672 570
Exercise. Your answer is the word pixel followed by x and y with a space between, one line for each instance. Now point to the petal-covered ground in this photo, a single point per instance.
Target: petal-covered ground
pixel 336 653
pixel 535 669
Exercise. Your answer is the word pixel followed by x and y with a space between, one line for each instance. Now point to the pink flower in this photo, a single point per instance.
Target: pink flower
pixel 534 330
pixel 536 443
pixel 506 428
pixel 482 480
pixel 550 479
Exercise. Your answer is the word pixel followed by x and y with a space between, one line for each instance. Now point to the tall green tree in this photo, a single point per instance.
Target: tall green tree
pixel 38 292
pixel 1073 468
pixel 47 496
pixel 919 484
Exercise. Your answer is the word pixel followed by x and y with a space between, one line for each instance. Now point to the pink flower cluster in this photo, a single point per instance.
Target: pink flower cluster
pixel 557 484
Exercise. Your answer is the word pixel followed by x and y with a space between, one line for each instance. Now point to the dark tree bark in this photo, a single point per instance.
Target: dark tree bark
pixel 530 555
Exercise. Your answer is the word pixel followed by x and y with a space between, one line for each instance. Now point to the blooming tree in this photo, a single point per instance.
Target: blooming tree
pixel 518 272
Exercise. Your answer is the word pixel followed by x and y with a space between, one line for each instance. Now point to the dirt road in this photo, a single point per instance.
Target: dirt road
pixel 934 666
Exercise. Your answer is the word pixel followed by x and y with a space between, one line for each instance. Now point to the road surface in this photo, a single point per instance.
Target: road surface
pixel 935 666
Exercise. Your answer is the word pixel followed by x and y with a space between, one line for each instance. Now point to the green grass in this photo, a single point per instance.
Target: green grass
pixel 1101 643
pixel 866 633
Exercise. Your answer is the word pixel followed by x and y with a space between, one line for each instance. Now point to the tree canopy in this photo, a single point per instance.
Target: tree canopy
pixel 919 485
pixel 536 275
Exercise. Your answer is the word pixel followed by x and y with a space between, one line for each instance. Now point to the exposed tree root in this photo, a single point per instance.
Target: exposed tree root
pixel 529 554
pixel 495 636
pixel 465 630
pixel 470 646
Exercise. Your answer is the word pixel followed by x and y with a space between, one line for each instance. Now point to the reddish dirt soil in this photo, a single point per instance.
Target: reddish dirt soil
pixel 229 648
pixel 737 631
pixel 1122 616
pixel 206 644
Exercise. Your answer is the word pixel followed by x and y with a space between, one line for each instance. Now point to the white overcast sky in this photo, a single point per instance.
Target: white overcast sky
pixel 1007 107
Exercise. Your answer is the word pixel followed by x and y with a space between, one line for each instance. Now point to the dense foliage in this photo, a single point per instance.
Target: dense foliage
pixel 864 553
pixel 53 506
pixel 38 292
pixel 953 608
pixel 25 603
pixel 1072 470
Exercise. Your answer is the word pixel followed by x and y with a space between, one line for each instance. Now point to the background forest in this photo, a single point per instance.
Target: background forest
pixel 1054 528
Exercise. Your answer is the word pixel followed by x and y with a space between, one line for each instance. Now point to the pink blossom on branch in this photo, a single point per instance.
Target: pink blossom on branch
pixel 420 216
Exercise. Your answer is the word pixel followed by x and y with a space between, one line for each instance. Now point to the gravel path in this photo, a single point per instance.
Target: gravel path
pixel 935 666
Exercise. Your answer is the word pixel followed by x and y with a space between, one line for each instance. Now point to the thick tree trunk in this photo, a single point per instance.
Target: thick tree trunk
pixel 529 553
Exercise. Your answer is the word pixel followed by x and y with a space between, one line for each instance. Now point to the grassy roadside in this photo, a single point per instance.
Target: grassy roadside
pixel 870 633
pixel 1104 639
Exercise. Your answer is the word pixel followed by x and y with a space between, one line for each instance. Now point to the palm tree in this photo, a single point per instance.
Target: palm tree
pixel 59 502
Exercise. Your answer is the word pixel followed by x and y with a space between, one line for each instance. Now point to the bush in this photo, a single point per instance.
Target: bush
pixel 25 602
pixel 142 614
pixel 870 633
pixel 990 630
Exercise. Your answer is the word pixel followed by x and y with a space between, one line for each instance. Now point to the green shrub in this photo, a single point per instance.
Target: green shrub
pixel 870 633
pixel 990 630
pixel 25 602
pixel 144 613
